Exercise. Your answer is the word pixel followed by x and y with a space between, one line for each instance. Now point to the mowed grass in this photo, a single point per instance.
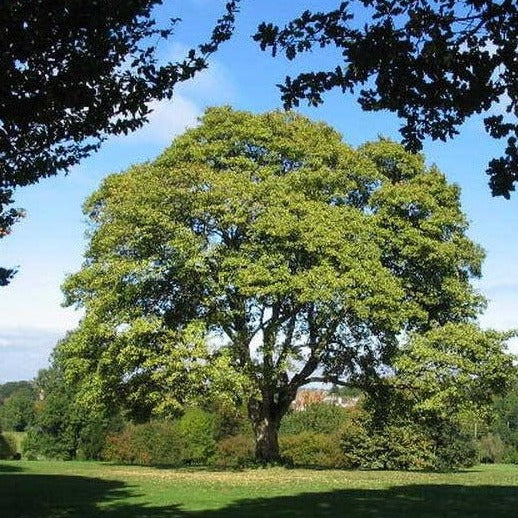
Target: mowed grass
pixel 88 489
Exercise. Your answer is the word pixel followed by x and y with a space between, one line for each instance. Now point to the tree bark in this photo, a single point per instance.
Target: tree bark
pixel 266 431
pixel 265 415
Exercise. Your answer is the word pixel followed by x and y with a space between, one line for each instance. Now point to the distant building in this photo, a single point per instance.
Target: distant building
pixel 308 397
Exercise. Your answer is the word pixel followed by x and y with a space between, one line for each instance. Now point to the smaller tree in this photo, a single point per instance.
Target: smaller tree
pixel 455 368
pixel 445 382
pixel 424 413
pixel 63 428
pixel 503 425
pixel 10 387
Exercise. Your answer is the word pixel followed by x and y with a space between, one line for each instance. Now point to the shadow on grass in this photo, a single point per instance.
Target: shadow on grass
pixel 57 496
pixel 410 501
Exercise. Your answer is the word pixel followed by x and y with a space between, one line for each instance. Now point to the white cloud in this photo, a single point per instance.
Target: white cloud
pixel 170 118
pixel 31 300
pixel 24 351
pixel 167 120
pixel 211 86
pixel 501 313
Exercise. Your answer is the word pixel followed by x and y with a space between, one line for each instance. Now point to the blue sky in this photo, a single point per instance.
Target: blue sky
pixel 49 242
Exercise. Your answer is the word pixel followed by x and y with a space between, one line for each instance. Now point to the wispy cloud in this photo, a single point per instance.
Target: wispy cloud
pixel 167 120
pixel 170 118
pixel 24 351
pixel 214 85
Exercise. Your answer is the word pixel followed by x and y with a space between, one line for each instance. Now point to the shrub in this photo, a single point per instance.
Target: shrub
pixel 235 452
pixel 8 447
pixel 197 429
pixel 312 449
pixel 189 440
pixel 230 422
pixel 119 447
pixel 92 437
pixel 316 417
pixel 359 447
pixel 40 444
pixel 17 411
pixel 405 447
pixel 145 444
pixel 491 449
pixel 510 455
pixel 397 447
pixel 31 446
pixel 454 447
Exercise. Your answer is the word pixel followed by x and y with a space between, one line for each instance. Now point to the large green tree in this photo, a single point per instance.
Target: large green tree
pixel 264 243
pixel 75 72
pixel 434 63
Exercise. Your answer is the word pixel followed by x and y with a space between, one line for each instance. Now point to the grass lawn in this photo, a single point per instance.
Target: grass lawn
pixel 89 489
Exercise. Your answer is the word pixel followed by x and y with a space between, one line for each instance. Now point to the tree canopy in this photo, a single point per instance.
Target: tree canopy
pixel 264 243
pixel 432 62
pixel 75 72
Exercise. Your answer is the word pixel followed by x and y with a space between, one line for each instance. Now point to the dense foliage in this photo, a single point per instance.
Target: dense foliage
pixel 62 428
pixel 189 440
pixel 433 62
pixel 499 439
pixel 454 369
pixel 258 254
pixel 320 435
pixel 318 417
pixel 401 444
pixel 9 388
pixel 8 448
pixel 17 411
pixel 17 401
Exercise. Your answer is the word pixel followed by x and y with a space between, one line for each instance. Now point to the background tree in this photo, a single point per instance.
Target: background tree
pixel 500 442
pixel 296 258
pixel 61 427
pixel 17 406
pixel 433 62
pixel 75 72
pixel 10 387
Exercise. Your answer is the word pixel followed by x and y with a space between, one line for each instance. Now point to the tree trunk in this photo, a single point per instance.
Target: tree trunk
pixel 265 416
pixel 266 430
